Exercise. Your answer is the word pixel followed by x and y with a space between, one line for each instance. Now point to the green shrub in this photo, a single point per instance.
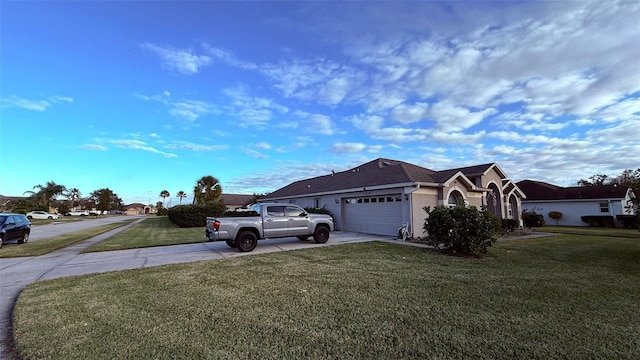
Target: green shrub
pixel 510 224
pixel 598 220
pixel 629 221
pixel 186 216
pixel 532 219
pixel 555 215
pixel 461 230
pixel 321 210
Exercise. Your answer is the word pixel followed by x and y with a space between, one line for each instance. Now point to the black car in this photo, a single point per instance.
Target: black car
pixel 14 227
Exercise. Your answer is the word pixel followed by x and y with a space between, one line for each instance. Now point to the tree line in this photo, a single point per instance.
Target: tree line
pixel 52 195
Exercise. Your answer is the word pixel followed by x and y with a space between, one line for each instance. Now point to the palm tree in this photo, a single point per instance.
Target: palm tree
pixel 207 189
pixel 47 193
pixel 73 195
pixel 164 194
pixel 181 194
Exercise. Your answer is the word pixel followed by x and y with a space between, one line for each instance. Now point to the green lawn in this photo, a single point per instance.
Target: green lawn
pixel 153 231
pixel 587 230
pixel 565 296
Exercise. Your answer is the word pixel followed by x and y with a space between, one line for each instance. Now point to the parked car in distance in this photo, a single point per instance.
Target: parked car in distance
pixel 41 215
pixel 78 213
pixel 14 227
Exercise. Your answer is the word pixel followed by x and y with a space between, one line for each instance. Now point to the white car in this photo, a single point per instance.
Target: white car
pixel 41 215
pixel 78 213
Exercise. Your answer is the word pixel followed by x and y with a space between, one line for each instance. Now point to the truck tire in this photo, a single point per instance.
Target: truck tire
pixel 321 235
pixel 231 243
pixel 246 241
pixel 302 237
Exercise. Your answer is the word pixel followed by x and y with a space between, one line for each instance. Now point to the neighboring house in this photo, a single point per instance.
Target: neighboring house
pixel 138 209
pixel 382 195
pixel 237 201
pixel 577 201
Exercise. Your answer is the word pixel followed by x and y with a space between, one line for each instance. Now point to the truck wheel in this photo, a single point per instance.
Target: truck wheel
pixel 303 238
pixel 231 243
pixel 246 241
pixel 321 235
pixel 24 238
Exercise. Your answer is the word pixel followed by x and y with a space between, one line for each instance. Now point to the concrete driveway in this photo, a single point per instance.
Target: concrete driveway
pixel 16 273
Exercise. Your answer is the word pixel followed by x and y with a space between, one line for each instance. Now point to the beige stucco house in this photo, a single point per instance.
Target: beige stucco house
pixel 382 195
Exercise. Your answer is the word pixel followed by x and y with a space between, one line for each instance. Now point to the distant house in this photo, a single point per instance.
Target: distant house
pixel 237 201
pixel 577 201
pixel 139 209
pixel 382 195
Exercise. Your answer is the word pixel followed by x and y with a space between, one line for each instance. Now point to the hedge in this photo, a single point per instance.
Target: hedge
pixel 598 220
pixel 195 215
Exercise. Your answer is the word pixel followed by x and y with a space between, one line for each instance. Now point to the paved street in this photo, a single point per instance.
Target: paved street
pixel 57 228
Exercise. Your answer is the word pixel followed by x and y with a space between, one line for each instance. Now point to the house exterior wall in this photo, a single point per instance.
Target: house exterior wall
pixel 572 210
pixel 419 199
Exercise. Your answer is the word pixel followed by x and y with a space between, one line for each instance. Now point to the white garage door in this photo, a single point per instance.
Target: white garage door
pixel 380 215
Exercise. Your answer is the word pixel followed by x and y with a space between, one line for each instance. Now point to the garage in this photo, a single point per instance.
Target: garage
pixel 380 214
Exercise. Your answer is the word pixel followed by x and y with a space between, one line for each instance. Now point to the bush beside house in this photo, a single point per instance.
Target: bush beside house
pixel 461 230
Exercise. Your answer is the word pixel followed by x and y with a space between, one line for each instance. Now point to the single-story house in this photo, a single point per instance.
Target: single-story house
pixel 577 201
pixel 237 201
pixel 139 209
pixel 383 195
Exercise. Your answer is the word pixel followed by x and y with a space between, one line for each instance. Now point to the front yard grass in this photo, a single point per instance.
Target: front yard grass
pixel 153 231
pixel 45 246
pixel 565 296
pixel 589 230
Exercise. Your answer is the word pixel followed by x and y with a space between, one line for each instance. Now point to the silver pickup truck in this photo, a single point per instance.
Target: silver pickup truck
pixel 273 220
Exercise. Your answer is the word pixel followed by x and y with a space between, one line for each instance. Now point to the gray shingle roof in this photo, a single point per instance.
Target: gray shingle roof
pixel 377 172
pixel 538 190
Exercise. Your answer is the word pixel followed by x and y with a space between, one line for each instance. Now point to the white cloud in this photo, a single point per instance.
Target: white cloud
pixel 342 148
pixel 190 110
pixel 262 145
pixel 316 123
pixel 228 58
pixel 35 105
pixel 251 111
pixel 454 118
pixel 94 147
pixel 407 114
pixel 182 61
pixel 254 154
pixel 139 145
pixel 185 145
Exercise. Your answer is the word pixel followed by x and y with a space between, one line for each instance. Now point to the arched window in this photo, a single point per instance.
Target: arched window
pixel 455 198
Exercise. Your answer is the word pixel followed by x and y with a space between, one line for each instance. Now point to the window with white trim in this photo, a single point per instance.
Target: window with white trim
pixel 604 207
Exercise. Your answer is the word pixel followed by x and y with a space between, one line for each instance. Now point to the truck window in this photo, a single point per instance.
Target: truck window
pixel 275 210
pixel 294 211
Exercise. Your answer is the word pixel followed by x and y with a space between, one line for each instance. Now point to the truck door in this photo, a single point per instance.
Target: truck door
pixel 298 221
pixel 275 223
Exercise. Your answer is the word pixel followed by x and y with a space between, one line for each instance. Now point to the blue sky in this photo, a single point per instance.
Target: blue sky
pixel 141 96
